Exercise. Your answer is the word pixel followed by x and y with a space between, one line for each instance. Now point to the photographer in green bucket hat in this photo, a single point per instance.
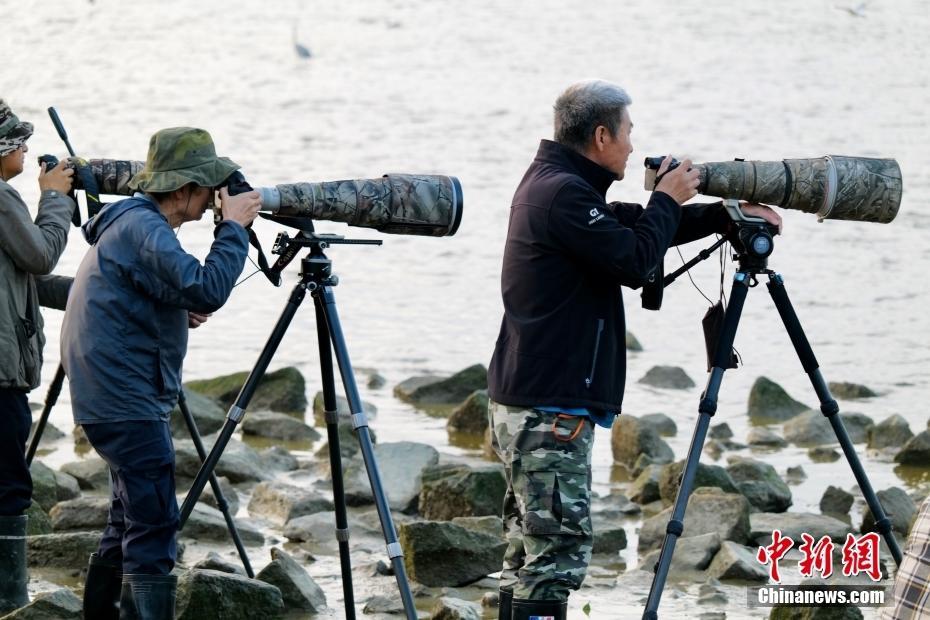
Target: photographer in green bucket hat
pixel 29 250
pixel 135 296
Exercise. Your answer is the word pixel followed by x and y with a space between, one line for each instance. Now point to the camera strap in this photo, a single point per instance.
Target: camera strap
pixel 272 273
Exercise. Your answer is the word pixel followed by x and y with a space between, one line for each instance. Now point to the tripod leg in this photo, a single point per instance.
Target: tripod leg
pixel 707 408
pixel 53 391
pixel 214 483
pixel 335 458
pixel 327 304
pixel 830 408
pixel 237 411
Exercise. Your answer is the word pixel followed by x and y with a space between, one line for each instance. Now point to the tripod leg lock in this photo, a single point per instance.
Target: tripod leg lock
pixel 829 408
pixel 236 413
pixel 331 417
pixel 394 550
pixel 675 528
pixel 342 534
pixel 708 406
pixel 358 420
pixel 884 526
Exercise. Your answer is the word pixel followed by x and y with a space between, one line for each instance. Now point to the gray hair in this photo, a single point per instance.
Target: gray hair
pixel 583 107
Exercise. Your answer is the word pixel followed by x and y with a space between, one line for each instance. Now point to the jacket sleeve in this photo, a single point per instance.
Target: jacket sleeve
pixel 53 291
pixel 34 246
pixel 580 222
pixel 697 220
pixel 167 273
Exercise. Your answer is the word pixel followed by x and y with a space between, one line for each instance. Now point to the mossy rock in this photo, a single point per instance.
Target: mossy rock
pixel 283 390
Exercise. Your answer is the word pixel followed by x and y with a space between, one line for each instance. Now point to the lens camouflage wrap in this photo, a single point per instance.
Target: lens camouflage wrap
pixel 833 187
pixel 113 175
pixel 406 204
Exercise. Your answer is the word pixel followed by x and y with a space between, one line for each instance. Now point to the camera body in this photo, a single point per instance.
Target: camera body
pixel 50 161
pixel 652 170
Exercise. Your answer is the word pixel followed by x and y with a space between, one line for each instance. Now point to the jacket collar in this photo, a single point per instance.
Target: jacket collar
pixel 595 174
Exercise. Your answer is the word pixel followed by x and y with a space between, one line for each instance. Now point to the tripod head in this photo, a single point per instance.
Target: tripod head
pixel 752 238
pixel 315 267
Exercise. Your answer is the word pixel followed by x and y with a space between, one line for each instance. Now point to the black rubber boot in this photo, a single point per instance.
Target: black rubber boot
pixel 505 605
pixel 524 609
pixel 13 576
pixel 102 588
pixel 148 597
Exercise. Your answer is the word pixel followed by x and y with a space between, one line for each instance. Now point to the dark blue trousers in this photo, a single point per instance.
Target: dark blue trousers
pixel 15 481
pixel 144 517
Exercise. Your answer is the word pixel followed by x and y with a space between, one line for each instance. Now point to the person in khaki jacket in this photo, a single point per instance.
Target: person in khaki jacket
pixel 28 253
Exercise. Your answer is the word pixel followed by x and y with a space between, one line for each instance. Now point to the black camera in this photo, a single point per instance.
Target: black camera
pixel 236 184
pixel 653 163
pixel 50 161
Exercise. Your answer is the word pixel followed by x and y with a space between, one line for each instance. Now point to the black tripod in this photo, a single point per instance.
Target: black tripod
pixel 752 242
pixel 51 398
pixel 317 278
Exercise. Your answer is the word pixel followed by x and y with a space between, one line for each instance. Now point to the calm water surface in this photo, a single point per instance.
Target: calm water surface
pixel 467 89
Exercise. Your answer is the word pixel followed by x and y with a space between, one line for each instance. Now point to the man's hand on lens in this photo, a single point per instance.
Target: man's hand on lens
pixel 241 208
pixel 58 178
pixel 195 319
pixel 767 213
pixel 681 183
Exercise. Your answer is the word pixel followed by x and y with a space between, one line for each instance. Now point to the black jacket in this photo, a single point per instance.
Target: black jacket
pixel 562 339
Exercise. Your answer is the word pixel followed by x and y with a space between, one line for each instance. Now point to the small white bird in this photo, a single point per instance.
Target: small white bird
pixel 302 50
pixel 855 11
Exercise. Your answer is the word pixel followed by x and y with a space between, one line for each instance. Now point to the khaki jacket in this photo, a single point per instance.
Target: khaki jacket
pixel 29 251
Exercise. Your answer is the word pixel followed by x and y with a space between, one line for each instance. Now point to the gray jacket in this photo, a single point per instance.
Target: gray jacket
pixel 28 253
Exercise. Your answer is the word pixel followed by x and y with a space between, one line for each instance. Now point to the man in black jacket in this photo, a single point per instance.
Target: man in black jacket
pixel 560 361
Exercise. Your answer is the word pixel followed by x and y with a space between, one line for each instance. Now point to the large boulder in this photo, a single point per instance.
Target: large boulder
pixel 50 487
pixel 215 594
pixel 451 491
pixel 238 463
pixel 280 502
pixel 283 390
pixel 892 432
pixel 82 513
pixel 91 473
pixel 849 391
pixel 793 524
pixel 401 465
pixel 645 488
pixel 898 506
pixel 609 540
pixel 444 554
pixel 663 424
pixel 298 589
pixel 761 437
pixel 792 612
pixel 916 451
pixel 692 553
pixel 471 417
pixel 448 608
pixel 812 428
pixel 836 502
pixel 60 604
pixel 37 522
pixel 769 402
pixel 443 391
pixel 208 523
pixel 669 377
pixel 226 489
pixel 734 561
pixel 342 408
pixel 207 413
pixel 69 550
pixel 705 476
pixel 709 510
pixel 277 426
pixel 632 343
pixel 761 484
pixel 214 561
pixel 630 438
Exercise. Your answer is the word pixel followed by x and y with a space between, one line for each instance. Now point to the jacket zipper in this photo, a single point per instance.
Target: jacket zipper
pixel 597 345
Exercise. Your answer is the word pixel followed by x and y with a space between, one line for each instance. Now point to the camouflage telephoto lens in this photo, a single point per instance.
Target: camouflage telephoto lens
pixel 403 204
pixel 112 175
pixel 834 187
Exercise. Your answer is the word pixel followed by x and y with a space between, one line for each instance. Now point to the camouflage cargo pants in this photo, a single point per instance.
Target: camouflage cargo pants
pixel 547 521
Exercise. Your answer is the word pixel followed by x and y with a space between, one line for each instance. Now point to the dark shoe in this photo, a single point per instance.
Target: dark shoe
pixel 504 606
pixel 524 609
pixel 102 588
pixel 13 593
pixel 148 597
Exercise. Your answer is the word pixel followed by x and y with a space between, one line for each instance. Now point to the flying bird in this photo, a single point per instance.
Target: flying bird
pixel 302 50
pixel 855 11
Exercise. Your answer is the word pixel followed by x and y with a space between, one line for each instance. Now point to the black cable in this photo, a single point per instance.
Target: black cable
pixel 693 283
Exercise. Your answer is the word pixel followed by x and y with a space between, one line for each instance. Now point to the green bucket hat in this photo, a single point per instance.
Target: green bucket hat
pixel 13 132
pixel 182 155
